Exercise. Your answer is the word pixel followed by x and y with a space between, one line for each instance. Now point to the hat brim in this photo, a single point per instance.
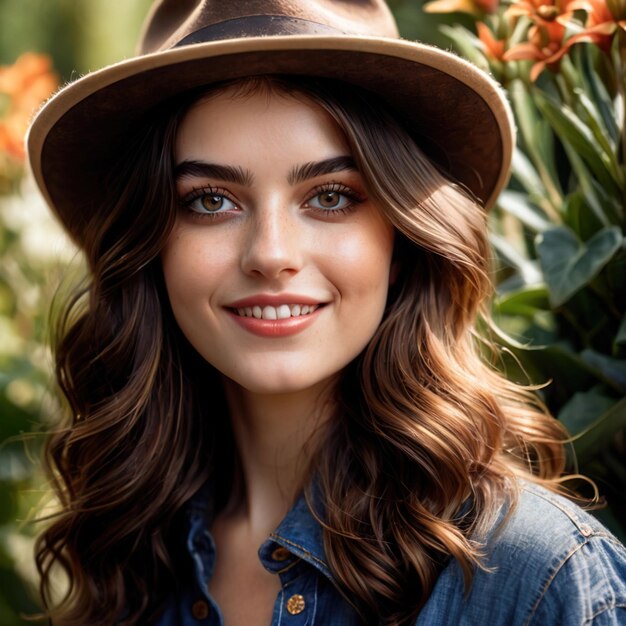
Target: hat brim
pixel 461 113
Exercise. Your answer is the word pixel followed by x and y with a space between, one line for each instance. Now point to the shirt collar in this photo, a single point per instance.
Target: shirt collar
pixel 299 533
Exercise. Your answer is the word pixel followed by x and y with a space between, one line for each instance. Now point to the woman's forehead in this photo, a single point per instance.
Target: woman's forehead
pixel 228 124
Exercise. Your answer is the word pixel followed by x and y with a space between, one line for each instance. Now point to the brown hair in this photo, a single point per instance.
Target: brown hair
pixel 423 425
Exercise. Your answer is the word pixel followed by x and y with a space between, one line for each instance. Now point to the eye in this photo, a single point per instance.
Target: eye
pixel 208 201
pixel 333 198
pixel 329 200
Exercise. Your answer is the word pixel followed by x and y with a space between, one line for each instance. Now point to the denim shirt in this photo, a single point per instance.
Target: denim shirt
pixel 549 564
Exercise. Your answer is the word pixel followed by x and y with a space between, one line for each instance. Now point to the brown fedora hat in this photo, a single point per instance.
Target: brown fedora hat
pixel 459 111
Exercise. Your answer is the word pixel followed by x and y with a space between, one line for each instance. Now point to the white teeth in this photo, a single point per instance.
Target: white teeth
pixel 281 312
pixel 269 313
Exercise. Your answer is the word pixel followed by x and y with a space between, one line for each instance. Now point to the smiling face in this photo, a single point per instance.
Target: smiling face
pixel 277 268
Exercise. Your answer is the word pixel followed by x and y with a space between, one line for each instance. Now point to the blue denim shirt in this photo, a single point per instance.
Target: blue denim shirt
pixel 550 564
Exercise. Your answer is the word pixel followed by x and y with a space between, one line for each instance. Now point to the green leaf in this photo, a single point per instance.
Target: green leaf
pixel 579 218
pixel 527 269
pixel 518 205
pixel 537 139
pixel 613 371
pixel 524 171
pixel 526 302
pixel 568 264
pixel 600 431
pixel 606 146
pixel 572 131
pixel 620 338
pixel 584 60
pixel 467 44
pixel 584 408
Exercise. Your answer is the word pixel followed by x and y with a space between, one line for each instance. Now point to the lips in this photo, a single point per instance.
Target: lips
pixel 275 315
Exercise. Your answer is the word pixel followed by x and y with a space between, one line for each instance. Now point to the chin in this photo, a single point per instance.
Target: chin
pixel 272 382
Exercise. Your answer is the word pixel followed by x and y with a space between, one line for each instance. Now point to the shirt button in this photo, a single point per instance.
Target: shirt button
pixel 200 609
pixel 281 554
pixel 295 604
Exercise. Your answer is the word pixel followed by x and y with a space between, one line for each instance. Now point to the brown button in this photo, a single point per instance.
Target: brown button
pixel 295 604
pixel 281 554
pixel 200 609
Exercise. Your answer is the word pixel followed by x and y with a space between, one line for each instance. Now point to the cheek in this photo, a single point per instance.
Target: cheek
pixel 364 261
pixel 191 268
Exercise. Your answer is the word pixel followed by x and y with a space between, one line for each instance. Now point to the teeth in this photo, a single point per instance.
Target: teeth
pixel 270 313
pixel 282 312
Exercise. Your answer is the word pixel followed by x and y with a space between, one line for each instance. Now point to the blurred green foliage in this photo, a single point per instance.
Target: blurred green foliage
pixel 34 259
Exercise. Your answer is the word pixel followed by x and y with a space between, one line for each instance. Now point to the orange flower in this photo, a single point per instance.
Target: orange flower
pixel 473 7
pixel 602 24
pixel 545 46
pixel 544 12
pixel 23 86
pixel 493 48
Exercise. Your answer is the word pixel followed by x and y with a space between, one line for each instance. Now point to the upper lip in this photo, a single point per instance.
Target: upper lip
pixel 272 300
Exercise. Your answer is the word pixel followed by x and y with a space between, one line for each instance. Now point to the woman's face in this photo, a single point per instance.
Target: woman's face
pixel 277 268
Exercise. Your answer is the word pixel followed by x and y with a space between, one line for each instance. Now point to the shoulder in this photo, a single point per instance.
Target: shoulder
pixel 579 567
pixel 546 562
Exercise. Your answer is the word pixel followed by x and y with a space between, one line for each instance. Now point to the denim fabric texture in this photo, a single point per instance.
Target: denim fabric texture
pixel 550 564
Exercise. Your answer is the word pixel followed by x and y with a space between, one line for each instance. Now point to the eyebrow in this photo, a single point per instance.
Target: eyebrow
pixel 241 176
pixel 227 173
pixel 303 172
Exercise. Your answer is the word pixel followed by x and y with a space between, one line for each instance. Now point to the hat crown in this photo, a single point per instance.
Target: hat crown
pixel 172 23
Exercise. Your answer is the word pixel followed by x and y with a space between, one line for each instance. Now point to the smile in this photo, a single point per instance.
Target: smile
pixel 281 312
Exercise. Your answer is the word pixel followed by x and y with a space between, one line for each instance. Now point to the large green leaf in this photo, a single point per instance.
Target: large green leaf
pixel 606 207
pixel 584 408
pixel 525 302
pixel 579 218
pixel 571 130
pixel 613 371
pixel 610 418
pixel 585 57
pixel 519 206
pixel 528 270
pixel 537 140
pixel 569 264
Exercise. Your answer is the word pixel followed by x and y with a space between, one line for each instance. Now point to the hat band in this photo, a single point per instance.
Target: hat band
pixel 257 26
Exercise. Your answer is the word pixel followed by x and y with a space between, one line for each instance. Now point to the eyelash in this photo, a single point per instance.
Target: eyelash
pixel 353 197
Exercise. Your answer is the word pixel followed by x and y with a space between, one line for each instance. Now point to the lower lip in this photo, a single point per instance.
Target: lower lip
pixel 276 328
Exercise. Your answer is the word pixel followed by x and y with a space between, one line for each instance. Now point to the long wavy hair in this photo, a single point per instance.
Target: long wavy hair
pixel 423 422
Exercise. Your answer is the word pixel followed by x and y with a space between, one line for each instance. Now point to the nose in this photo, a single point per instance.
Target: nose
pixel 274 245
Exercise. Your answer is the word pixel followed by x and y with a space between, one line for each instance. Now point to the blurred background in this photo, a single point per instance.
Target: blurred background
pixel 558 231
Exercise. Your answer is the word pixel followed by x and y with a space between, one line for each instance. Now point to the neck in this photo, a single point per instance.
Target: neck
pixel 275 439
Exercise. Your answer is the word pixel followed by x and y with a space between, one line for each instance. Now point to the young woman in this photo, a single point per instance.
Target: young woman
pixel 278 408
